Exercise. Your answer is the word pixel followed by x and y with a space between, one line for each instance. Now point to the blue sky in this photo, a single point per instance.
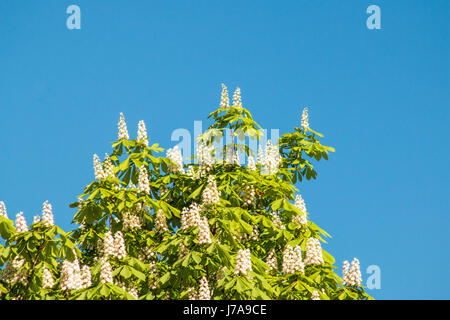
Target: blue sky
pixel 381 97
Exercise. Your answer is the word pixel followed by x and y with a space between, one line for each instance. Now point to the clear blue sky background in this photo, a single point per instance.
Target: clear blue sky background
pixel 381 97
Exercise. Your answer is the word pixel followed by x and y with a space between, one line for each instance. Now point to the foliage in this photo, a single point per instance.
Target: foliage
pixel 167 262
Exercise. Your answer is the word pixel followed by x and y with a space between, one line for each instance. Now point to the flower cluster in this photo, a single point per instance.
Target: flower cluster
pixel 105 271
pixel 86 276
pixel 47 215
pixel 271 260
pixel 190 216
pixel 182 250
pixel 313 252
pixel 123 131
pixel 143 182
pixel 224 99
pixel 160 222
pixel 305 122
pixel 131 221
pixel 108 167
pixel 174 155
pixel 14 272
pixel 248 197
pixel 277 221
pixel 47 279
pixel 251 164
pixel 351 275
pixel 21 223
pixel 114 245
pixel 98 169
pixel 130 288
pixel 243 262
pixel 148 253
pixel 36 219
pixel 237 100
pixel 211 193
pixel 192 294
pixel 70 275
pixel 292 260
pixel 142 133
pixel 315 295
pixel 204 293
pixel 255 233
pixel 300 204
pixel 271 159
pixel 204 234
pixel 205 158
pixel 191 172
pixel 3 212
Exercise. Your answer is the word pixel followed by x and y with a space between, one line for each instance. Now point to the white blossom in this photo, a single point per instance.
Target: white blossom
pixel 205 158
pixel 192 294
pixel 315 295
pixel 292 260
pixel 161 222
pixel 204 293
pixel 255 233
pixel 47 279
pixel 251 164
pixel 105 271
pixel 313 252
pixel 191 172
pixel 108 245
pixel 130 288
pixel 119 245
pixel 237 100
pixel 3 210
pixel 131 221
pixel 123 131
pixel 142 133
pixel 108 167
pixel 351 275
pixel 36 219
pixel 190 216
pixel 80 203
pixel 85 276
pixel 277 221
pixel 47 214
pixel 14 272
pixel 305 122
pixel 248 197
pixel 204 235
pixel 224 99
pixel 113 245
pixel 243 262
pixel 174 154
pixel 211 193
pixel 70 275
pixel 98 169
pixel 143 182
pixel 271 260
pixel 272 159
pixel 300 204
pixel 182 250
pixel 21 223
